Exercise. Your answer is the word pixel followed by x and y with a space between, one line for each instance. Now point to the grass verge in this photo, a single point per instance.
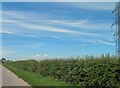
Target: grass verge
pixel 35 79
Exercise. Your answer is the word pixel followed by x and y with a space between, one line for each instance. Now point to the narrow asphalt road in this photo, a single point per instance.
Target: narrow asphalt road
pixel 10 79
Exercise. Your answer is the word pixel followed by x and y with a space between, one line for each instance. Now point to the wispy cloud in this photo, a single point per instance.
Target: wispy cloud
pixel 30 26
pixel 102 42
pixel 84 24
pixel 105 42
pixel 7 32
pixel 33 26
pixel 45 28
pixel 51 28
pixel 39 27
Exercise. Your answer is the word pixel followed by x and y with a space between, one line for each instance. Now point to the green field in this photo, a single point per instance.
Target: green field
pixel 35 79
pixel 88 72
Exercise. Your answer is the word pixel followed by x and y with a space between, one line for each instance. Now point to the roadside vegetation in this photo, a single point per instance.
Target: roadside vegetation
pixel 35 80
pixel 90 71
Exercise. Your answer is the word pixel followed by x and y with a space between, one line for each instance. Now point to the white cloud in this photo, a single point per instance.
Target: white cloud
pixel 7 32
pixel 24 24
pixel 46 55
pixel 80 24
pixel 8 21
pixel 47 28
pixel 102 42
pixel 54 29
pixel 37 55
pixel 70 23
pixel 105 42
pixel 40 56
pixel 83 24
pixel 86 24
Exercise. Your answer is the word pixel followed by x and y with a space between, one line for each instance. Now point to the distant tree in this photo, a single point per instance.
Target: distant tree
pixel 3 60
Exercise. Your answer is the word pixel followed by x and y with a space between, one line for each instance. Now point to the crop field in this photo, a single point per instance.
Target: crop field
pixel 91 71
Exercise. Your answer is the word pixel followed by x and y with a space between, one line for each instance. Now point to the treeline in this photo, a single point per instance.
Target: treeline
pixel 91 71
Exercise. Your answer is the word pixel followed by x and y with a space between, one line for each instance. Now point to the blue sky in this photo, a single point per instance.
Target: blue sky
pixel 60 0
pixel 46 30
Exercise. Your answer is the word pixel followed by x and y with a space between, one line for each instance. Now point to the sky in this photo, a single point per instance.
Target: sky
pixel 59 0
pixel 40 30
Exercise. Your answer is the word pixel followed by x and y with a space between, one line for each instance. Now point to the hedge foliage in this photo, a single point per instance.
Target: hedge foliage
pixel 91 71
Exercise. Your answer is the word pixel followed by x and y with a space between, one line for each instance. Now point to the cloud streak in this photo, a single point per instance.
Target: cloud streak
pixel 30 26
pixel 7 32
pixel 102 42
pixel 45 28
pixel 86 24
pixel 33 26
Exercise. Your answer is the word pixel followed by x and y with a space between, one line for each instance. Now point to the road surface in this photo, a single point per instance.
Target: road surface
pixel 10 79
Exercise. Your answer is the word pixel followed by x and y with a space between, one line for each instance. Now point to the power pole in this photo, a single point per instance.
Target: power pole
pixel 117 25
